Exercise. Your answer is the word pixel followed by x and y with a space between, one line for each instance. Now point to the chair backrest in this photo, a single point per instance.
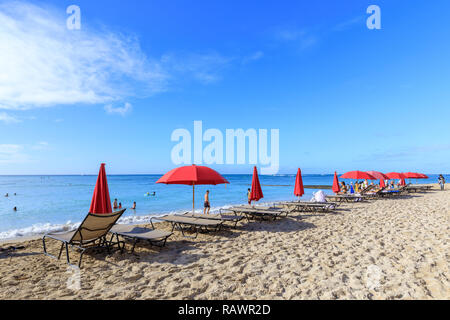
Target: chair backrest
pixel 95 226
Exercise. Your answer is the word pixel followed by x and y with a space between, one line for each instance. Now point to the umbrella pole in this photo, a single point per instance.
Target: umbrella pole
pixel 193 197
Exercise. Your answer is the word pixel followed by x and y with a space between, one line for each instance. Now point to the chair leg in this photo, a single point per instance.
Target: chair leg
pixel 60 250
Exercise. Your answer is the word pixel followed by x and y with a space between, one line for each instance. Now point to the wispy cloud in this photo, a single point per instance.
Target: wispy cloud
pixel 349 23
pixel 253 57
pixel 42 145
pixel 204 67
pixel 300 37
pixel 42 63
pixel 119 110
pixel 6 118
pixel 11 153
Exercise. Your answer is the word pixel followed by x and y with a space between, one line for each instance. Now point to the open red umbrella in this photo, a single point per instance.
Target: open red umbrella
pixel 395 175
pixel 357 175
pixel 298 190
pixel 101 203
pixel 412 175
pixel 256 192
pixel 336 188
pixel 192 175
pixel 423 176
pixel 379 175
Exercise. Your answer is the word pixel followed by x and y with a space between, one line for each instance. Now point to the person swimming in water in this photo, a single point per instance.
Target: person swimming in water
pixel 115 206
pixel 120 205
pixel 15 208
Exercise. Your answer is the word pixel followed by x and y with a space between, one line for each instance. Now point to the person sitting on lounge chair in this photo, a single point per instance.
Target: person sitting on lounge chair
pixel 343 188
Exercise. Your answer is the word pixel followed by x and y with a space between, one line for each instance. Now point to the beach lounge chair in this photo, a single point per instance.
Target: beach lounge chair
pixel 346 198
pixel 90 234
pixel 276 209
pixel 195 224
pixel 257 213
pixel 234 219
pixel 309 206
pixel 138 234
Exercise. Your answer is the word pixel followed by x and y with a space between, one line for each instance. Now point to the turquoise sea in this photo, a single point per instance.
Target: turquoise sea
pixel 56 203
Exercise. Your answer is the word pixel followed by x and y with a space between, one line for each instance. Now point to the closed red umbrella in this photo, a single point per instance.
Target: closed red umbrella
pixel 336 188
pixel 379 175
pixel 101 203
pixel 192 175
pixel 357 175
pixel 298 190
pixel 256 192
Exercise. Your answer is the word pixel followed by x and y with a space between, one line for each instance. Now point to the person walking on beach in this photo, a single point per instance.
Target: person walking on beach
pixel 207 205
pixel 441 180
pixel 249 195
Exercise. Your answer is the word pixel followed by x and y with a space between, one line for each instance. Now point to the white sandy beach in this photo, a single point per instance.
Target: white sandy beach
pixel 384 249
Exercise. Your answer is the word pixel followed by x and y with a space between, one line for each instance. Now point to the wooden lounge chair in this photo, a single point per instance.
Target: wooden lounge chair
pixel 234 219
pixel 138 234
pixel 195 224
pixel 89 235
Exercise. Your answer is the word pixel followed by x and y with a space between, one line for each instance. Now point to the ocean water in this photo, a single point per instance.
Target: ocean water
pixel 58 203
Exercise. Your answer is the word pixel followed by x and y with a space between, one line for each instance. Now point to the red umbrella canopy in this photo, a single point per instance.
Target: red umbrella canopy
pixel 395 175
pixel 192 175
pixel 256 193
pixel 101 203
pixel 298 190
pixel 378 175
pixel 412 175
pixel 422 176
pixel 357 175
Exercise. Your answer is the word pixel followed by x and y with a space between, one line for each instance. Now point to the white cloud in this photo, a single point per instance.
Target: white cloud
pixel 43 64
pixel 119 110
pixel 6 118
pixel 11 153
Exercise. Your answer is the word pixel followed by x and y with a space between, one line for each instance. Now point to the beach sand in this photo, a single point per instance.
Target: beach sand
pixel 384 249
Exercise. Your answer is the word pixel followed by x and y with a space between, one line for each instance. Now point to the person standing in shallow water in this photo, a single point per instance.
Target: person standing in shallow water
pixel 441 181
pixel 249 195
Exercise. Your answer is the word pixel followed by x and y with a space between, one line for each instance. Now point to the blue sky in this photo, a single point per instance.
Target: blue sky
pixel 343 97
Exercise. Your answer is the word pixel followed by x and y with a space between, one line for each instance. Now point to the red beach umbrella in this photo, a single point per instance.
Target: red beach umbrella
pixel 412 175
pixel 422 176
pixel 336 188
pixel 256 193
pixel 298 190
pixel 395 175
pixel 101 203
pixel 193 175
pixel 357 175
pixel 379 175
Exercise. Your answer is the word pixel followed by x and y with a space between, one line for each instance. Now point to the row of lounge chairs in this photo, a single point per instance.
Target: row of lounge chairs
pixel 95 229
pixel 101 231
